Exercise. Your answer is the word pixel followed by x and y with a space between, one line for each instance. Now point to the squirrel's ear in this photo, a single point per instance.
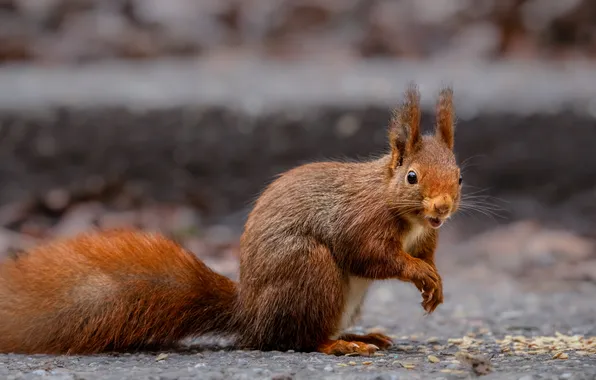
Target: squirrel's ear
pixel 445 117
pixel 404 128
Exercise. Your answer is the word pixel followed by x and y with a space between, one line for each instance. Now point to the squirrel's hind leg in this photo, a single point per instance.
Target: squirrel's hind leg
pixel 296 309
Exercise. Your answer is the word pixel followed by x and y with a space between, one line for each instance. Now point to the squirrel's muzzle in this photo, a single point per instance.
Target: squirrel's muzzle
pixel 441 205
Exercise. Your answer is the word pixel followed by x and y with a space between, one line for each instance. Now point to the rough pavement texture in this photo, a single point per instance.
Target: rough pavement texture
pixel 484 311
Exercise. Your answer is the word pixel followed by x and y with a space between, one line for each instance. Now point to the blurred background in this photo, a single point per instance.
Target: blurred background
pixel 174 115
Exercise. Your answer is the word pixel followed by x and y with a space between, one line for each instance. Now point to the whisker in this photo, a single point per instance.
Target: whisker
pixel 478 194
pixel 466 163
pixel 404 210
pixel 480 189
pixel 405 204
pixel 478 202
pixel 483 205
pixel 485 211
pixel 476 197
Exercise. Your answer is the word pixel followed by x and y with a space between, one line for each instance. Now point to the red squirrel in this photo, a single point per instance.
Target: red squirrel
pixel 315 240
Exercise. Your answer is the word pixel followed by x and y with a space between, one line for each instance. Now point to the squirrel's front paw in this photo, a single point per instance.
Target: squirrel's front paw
pixel 433 297
pixel 425 277
pixel 429 283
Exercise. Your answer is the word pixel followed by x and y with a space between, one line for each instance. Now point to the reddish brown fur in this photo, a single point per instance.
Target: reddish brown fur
pixel 445 117
pixel 118 290
pixel 320 223
pixel 404 128
pixel 314 239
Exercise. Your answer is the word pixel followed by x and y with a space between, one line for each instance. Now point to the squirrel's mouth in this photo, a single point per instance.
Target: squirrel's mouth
pixel 434 222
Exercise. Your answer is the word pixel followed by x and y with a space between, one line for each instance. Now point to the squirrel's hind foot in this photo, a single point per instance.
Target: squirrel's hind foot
pixel 342 347
pixel 380 340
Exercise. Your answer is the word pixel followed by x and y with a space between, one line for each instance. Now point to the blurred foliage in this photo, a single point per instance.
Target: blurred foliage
pixel 85 30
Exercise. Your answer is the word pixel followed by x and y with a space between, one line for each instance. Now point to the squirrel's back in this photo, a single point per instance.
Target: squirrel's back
pixel 112 290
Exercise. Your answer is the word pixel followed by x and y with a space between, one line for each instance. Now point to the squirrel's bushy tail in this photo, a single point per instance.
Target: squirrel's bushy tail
pixel 110 291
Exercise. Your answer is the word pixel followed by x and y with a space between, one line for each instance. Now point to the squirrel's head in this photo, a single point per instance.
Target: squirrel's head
pixel 424 180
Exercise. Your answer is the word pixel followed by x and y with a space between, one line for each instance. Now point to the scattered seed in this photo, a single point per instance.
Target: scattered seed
pixel 560 355
pixel 404 365
pixel 433 359
pixel 377 330
pixel 404 348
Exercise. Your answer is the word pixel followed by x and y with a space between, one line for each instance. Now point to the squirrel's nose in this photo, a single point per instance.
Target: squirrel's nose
pixel 442 205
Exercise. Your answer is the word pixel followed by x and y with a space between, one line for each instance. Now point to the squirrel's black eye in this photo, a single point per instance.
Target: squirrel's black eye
pixel 460 179
pixel 412 177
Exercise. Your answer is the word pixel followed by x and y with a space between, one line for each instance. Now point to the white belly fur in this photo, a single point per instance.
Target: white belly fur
pixel 356 288
pixel 353 297
pixel 409 241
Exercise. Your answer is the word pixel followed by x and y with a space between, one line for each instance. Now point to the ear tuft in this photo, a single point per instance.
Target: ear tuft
pixel 445 117
pixel 404 128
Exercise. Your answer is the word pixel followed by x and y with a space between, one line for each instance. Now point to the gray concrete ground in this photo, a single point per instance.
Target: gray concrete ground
pixel 475 316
